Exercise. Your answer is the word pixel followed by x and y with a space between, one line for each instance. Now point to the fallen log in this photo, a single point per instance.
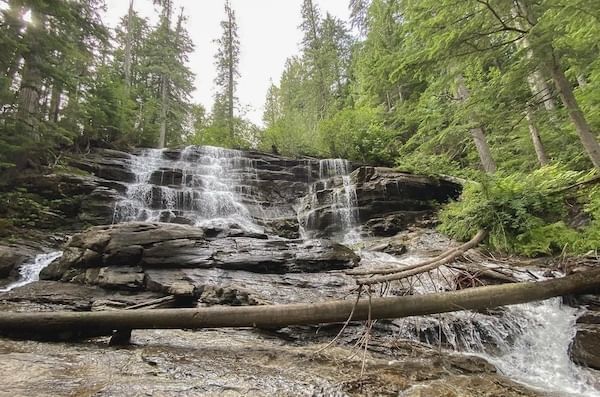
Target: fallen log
pixel 28 324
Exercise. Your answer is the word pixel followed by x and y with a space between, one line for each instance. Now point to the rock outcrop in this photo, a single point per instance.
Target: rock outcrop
pixel 283 195
pixel 162 257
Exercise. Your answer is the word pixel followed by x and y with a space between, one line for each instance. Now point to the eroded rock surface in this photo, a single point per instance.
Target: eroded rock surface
pixel 239 363
pixel 271 188
pixel 156 256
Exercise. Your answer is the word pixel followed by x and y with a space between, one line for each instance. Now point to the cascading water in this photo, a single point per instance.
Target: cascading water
pixel 30 272
pixel 528 343
pixel 206 184
pixel 343 201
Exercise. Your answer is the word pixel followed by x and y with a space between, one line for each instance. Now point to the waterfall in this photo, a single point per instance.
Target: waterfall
pixel 342 200
pixel 205 184
pixel 30 272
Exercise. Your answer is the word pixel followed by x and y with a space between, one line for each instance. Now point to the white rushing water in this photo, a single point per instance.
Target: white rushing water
pixel 539 354
pixel 528 343
pixel 205 185
pixel 344 202
pixel 30 272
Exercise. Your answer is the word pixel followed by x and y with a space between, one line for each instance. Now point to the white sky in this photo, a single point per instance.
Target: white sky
pixel 268 32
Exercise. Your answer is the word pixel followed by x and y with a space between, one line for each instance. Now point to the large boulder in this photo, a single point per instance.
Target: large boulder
pixel 585 349
pixel 10 260
pixel 120 256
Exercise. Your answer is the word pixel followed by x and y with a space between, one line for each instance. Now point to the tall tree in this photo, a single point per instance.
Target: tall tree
pixel 129 44
pixel 227 61
pixel 550 61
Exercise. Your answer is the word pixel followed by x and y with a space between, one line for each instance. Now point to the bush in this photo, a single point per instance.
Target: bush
pixel 523 214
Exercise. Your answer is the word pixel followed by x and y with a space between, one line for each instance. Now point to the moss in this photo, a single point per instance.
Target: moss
pixel 64 169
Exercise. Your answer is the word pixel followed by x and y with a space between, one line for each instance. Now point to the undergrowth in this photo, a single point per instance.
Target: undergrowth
pixel 527 214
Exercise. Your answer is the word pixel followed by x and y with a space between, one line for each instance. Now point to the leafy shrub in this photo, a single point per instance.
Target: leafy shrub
pixel 523 213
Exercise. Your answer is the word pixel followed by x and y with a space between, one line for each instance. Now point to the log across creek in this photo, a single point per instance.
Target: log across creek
pixel 272 316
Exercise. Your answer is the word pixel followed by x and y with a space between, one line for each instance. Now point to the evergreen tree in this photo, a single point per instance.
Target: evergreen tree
pixel 227 61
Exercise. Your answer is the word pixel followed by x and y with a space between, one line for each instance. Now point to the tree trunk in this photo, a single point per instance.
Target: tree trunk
pixel 128 46
pixel 536 139
pixel 55 102
pixel 44 324
pixel 587 137
pixel 230 82
pixel 483 149
pixel 31 81
pixel 163 112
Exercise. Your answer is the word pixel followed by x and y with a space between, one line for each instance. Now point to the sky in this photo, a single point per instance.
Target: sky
pixel 268 31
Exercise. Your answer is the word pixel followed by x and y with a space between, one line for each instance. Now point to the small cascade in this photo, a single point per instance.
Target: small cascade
pixel 528 343
pixel 334 192
pixel 30 272
pixel 205 184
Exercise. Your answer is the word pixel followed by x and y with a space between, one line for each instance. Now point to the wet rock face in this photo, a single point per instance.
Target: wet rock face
pixel 585 349
pixel 156 256
pixel 384 201
pixel 280 194
pixel 10 260
pixel 586 346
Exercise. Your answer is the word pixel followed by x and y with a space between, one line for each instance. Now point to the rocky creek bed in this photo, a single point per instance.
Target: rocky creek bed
pixel 209 227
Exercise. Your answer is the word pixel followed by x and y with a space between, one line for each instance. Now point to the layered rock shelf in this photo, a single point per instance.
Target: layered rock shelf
pixel 172 259
pixel 285 196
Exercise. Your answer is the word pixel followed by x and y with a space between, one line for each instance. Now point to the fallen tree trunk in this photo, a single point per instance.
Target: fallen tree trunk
pixel 27 324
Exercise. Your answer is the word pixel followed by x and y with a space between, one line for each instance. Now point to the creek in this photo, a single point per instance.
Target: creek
pixel 254 195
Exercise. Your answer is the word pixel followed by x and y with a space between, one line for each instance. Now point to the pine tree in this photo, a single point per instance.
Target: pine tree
pixel 227 61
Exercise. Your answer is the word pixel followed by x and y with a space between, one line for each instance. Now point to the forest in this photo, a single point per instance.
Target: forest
pixel 503 94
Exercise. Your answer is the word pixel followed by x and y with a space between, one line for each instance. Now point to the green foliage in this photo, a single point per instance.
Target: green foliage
pixel 523 213
pixel 357 134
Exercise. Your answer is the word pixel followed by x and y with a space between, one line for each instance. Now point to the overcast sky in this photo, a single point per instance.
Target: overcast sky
pixel 268 33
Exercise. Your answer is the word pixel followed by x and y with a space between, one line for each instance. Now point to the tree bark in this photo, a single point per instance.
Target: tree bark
pixel 587 137
pixel 55 102
pixel 163 111
pixel 483 149
pixel 541 89
pixel 31 81
pixel 44 324
pixel 536 139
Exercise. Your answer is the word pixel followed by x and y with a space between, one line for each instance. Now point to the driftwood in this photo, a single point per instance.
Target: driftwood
pixel 165 300
pixel 45 323
pixel 422 267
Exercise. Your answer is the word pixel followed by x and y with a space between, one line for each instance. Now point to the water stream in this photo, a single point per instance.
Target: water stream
pixel 30 272
pixel 528 343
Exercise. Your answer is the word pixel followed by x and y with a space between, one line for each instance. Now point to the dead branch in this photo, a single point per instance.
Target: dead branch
pixel 431 264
